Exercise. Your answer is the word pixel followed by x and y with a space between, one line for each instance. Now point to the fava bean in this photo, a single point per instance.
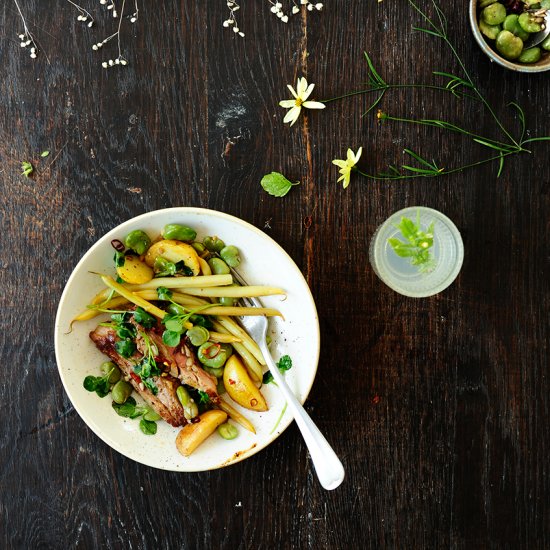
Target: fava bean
pixel 490 31
pixel 198 335
pixel 508 45
pixel 226 301
pixel 511 24
pixel 230 255
pixel 199 248
pixel 152 416
pixel 485 3
pixel 228 431
pixel 531 55
pixel 179 232
pixel 213 244
pixel 138 241
pixel 218 373
pixel 546 44
pixel 495 14
pixel 529 23
pixel 109 367
pixel 214 355
pixel 218 266
pixel 121 391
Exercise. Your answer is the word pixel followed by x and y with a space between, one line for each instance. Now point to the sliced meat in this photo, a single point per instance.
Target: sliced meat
pixel 165 402
pixel 190 373
pixel 182 363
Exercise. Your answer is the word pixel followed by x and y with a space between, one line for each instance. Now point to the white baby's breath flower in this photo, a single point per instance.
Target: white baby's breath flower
pixel 347 165
pixel 301 94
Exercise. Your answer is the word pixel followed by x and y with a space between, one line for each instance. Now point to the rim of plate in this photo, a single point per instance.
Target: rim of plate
pixel 115 231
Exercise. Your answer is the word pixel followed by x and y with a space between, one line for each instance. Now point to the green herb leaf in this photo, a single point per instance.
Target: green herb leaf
pixel 171 338
pixel 419 243
pixel 144 319
pixel 283 364
pixel 119 258
pixel 44 154
pixel 276 184
pixel 90 383
pixel 125 347
pixel 27 168
pixel 148 427
pixel 164 294
pixel 128 409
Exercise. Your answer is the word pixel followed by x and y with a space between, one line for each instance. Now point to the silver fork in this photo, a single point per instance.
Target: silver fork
pixel 327 465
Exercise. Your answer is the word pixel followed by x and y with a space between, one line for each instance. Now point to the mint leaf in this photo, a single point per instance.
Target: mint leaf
pixel 276 184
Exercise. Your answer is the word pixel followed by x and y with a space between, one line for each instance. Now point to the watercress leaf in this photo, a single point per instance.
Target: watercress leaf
pixel 125 348
pixel 183 269
pixel 171 338
pixel 102 387
pixel 164 293
pixel 90 383
pixel 128 409
pixel 204 398
pixel 150 384
pixel 119 317
pixel 119 259
pixel 174 325
pixel 148 427
pixel 201 321
pixel 144 319
pixel 284 363
pixel 276 184
pixel 126 331
pixel 267 377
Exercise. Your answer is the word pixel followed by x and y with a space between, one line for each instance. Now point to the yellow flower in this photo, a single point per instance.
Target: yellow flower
pixel 302 92
pixel 346 166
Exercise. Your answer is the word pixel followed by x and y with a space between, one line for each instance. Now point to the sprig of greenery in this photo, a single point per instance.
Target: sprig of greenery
pixel 417 245
pixel 27 168
pixel 98 384
pixel 130 409
pixel 283 364
pixel 461 87
pixel 175 322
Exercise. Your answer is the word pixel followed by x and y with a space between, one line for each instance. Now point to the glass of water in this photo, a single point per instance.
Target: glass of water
pixel 399 273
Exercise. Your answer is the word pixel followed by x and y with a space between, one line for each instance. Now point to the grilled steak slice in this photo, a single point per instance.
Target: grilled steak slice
pixel 165 402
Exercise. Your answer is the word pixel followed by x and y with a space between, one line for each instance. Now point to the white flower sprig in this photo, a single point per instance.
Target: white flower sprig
pixel 301 94
pixel 84 16
pixel 120 59
pixel 347 165
pixel 276 7
pixel 26 38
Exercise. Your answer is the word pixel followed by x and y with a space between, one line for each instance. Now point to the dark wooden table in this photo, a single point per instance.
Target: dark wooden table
pixel 438 407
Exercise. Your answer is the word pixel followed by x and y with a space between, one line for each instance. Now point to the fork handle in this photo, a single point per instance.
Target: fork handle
pixel 327 465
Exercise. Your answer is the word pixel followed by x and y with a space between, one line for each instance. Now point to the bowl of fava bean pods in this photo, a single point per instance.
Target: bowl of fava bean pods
pixel 505 31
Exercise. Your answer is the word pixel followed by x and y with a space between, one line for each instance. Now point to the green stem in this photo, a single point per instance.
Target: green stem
pixel 456 129
pixel 443 34
pixel 442 173
pixel 389 87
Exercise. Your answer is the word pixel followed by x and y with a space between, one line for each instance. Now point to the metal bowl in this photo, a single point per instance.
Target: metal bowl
pixel 540 66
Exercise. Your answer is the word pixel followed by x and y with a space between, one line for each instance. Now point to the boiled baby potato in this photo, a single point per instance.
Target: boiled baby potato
pixel 240 387
pixel 174 251
pixel 192 435
pixel 134 271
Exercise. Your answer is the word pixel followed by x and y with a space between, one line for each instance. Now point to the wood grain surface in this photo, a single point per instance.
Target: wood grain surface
pixel 438 407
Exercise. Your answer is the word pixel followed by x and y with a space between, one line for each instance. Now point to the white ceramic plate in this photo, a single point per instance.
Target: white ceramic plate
pixel 264 263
